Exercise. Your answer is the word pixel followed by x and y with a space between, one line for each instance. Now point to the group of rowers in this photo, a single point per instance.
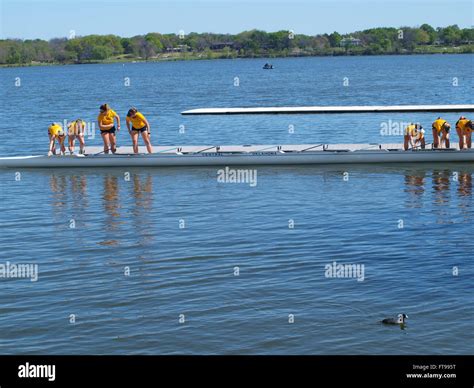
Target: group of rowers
pixel 415 134
pixel 109 123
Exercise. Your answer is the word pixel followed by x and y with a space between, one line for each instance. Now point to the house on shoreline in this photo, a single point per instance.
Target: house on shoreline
pixel 350 41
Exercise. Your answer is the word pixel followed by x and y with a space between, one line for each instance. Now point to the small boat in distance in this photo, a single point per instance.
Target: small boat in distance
pixel 267 66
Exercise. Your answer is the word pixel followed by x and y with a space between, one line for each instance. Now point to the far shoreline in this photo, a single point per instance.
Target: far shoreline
pixel 193 57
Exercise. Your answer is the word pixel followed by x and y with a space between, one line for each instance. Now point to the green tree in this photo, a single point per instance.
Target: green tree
pixel 430 31
pixel 335 39
pixel 450 34
pixel 467 35
pixel 154 42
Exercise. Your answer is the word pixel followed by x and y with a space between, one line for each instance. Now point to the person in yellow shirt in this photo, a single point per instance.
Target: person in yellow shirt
pixel 55 132
pixel 441 127
pixel 140 125
pixel 414 136
pixel 464 130
pixel 76 129
pixel 106 119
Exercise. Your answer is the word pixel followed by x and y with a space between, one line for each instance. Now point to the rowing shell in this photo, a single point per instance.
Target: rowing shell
pixel 246 155
pixel 330 109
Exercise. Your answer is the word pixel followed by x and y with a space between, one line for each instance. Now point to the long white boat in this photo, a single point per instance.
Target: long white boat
pixel 330 109
pixel 255 155
pixel 301 154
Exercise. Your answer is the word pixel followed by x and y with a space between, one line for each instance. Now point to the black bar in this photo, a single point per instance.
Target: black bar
pixel 324 371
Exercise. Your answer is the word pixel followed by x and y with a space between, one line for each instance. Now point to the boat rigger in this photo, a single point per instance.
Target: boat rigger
pixel 303 154
pixel 330 109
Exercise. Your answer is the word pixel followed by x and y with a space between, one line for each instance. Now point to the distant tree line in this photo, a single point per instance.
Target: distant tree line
pixel 255 43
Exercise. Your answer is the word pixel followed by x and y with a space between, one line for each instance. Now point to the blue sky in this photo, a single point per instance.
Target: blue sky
pixel 28 19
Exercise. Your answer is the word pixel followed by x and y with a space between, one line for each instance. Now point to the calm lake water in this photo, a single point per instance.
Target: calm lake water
pixel 223 268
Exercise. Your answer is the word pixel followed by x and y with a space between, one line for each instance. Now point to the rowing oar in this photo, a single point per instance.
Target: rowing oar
pixel 98 153
pixel 266 148
pixel 415 147
pixel 370 146
pixel 169 149
pixel 310 148
pixel 159 152
pixel 209 148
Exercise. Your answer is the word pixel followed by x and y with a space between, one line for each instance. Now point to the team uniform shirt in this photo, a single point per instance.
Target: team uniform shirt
pixel 55 130
pixel 413 131
pixel 138 121
pixel 439 125
pixel 76 128
pixel 106 118
pixel 464 125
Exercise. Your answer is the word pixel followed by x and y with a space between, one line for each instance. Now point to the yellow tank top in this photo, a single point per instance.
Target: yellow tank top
pixel 138 121
pixel 55 130
pixel 107 118
pixel 438 124
pixel 76 127
pixel 413 131
pixel 461 124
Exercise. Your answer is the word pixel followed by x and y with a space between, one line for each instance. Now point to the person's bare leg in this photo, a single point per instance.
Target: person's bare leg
pixel 51 145
pixel 447 143
pixel 146 139
pixel 134 135
pixel 71 140
pixel 406 142
pixel 82 144
pixel 423 143
pixel 469 139
pixel 442 142
pixel 105 138
pixel 435 138
pixel 61 140
pixel 461 138
pixel 113 143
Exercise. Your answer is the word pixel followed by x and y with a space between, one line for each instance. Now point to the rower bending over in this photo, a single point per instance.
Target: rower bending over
pixel 76 129
pixel 441 126
pixel 106 120
pixel 415 136
pixel 139 125
pixel 55 132
pixel 464 130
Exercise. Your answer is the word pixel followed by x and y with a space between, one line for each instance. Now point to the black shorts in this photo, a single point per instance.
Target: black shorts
pixel 111 131
pixel 145 128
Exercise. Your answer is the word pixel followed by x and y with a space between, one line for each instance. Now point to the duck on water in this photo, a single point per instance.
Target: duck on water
pixel 400 320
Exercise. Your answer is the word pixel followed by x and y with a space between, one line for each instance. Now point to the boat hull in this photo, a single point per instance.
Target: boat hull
pixel 240 159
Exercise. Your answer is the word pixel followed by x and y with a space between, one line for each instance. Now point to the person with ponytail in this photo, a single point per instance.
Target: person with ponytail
pixel 140 125
pixel 106 119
